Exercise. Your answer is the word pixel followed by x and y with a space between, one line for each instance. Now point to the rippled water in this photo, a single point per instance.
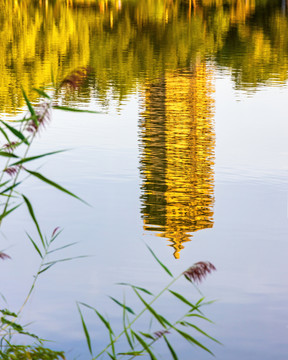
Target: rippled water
pixel 189 156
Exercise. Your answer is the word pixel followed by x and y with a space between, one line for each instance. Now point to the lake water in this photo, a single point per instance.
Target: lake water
pixel 189 156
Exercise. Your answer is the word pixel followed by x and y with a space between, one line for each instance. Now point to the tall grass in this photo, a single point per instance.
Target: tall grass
pixel 17 140
pixel 140 343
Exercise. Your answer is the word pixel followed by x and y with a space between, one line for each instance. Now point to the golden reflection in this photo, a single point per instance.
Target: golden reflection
pixel 178 155
pixel 128 41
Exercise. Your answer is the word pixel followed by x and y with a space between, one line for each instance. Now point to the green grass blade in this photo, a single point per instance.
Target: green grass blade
pixel 183 299
pixel 7 154
pixel 112 343
pixel 190 339
pixel 145 346
pixel 159 262
pixel 124 325
pixel 105 322
pixel 151 310
pixel 45 269
pixel 5 183
pixel 172 351
pixel 35 246
pixel 66 108
pixel 61 248
pixel 122 305
pixel 200 316
pixel 201 331
pixel 5 135
pixel 86 332
pixel 31 211
pixel 42 93
pixel 4 214
pixel 10 187
pixel 66 259
pixel 136 287
pixel 132 353
pixel 111 356
pixel 30 107
pixel 16 133
pixel 148 336
pixel 52 183
pixel 31 158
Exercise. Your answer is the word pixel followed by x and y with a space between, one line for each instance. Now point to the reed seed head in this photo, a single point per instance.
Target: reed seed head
pixel 199 271
pixel 4 256
pixel 55 231
pixel 160 333
pixel 43 115
pixel 12 170
pixel 11 146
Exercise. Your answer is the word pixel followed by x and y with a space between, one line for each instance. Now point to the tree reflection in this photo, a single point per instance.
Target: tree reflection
pixel 127 42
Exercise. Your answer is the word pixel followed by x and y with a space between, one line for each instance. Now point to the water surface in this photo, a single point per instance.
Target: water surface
pixel 190 156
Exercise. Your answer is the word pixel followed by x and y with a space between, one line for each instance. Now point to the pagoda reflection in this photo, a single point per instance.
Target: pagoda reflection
pixel 177 145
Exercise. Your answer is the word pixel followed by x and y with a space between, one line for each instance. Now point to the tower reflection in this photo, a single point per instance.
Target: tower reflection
pixel 177 145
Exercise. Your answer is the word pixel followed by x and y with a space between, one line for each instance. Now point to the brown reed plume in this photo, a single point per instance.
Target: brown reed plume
pixel 199 271
pixel 12 170
pixel 4 256
pixel 11 146
pixel 160 333
pixel 43 114
pixel 76 78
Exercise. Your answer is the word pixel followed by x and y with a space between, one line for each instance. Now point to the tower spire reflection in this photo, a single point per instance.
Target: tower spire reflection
pixel 178 155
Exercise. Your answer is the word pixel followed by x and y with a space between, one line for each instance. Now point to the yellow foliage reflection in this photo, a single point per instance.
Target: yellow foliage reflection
pixel 178 155
pixel 128 41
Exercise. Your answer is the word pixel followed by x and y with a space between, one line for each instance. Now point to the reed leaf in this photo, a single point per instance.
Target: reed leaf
pixel 151 310
pixel 5 213
pixel 30 107
pixel 52 183
pixel 31 158
pixel 132 353
pixel 200 317
pixel 17 133
pixel 66 259
pixel 172 351
pixel 159 262
pixel 35 246
pixel 86 332
pixel 31 211
pixel 186 323
pixel 192 340
pixel 45 269
pixel 61 248
pixel 7 154
pixel 124 326
pixel 5 135
pixel 145 346
pixel 5 183
pixel 13 186
pixel 136 287
pixel 105 322
pixel 42 93
pixel 148 336
pixel 122 305
pixel 183 299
